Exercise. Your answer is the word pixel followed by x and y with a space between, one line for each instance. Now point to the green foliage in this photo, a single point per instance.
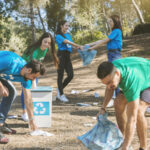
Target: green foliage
pixel 84 36
pixel 5 34
pixel 88 19
pixel 141 29
pixel 14 37
pixel 145 7
pixel 86 13
pixel 7 7
pixel 56 12
pixel 127 30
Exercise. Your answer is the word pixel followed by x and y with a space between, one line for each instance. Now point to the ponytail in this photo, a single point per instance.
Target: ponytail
pixel 53 51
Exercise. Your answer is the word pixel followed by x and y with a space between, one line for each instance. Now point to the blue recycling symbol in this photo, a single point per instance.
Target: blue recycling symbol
pixel 41 108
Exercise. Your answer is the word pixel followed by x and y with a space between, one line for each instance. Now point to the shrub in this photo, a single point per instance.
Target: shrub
pixel 141 29
pixel 85 36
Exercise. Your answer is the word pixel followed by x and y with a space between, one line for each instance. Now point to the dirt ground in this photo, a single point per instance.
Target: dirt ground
pixel 68 119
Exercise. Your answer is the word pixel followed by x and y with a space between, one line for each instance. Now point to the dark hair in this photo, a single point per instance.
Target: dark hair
pixel 31 48
pixel 61 23
pixel 104 69
pixel 117 23
pixel 36 67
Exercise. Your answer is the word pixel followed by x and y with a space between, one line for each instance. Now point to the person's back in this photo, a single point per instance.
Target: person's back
pixel 135 75
pixel 11 63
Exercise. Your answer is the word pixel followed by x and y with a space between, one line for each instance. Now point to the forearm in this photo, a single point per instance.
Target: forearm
pixel 29 107
pixel 1 85
pixel 108 96
pixel 100 43
pixel 72 44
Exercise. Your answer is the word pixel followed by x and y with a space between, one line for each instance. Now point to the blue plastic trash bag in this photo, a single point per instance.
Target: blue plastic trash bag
pixel 86 55
pixel 104 136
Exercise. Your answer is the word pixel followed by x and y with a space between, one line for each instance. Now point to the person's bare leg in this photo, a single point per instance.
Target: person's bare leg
pixel 120 109
pixel 142 125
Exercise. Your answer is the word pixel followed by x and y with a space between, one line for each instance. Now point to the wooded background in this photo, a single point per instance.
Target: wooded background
pixel 23 21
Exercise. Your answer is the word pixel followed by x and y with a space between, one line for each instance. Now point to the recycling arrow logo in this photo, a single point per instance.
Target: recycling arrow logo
pixel 41 108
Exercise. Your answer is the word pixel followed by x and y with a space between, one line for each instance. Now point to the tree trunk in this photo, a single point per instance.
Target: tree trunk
pixel 121 14
pixel 138 12
pixel 105 17
pixel 41 19
pixel 32 23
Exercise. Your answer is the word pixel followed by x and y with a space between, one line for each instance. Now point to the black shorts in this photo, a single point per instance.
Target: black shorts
pixel 145 95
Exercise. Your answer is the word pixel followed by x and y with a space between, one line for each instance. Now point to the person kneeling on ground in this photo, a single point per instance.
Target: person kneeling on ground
pixel 14 68
pixel 131 74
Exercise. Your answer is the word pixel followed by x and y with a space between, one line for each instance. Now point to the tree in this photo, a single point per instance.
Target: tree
pixel 87 14
pixel 7 7
pixel 144 6
pixel 56 12
pixel 34 5
pixel 42 22
pixel 40 4
pixel 32 21
pixel 139 13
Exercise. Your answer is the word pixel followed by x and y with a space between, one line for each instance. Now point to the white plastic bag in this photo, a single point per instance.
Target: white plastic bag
pixel 40 133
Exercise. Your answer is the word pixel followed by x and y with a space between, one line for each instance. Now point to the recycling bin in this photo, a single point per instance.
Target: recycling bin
pixel 42 105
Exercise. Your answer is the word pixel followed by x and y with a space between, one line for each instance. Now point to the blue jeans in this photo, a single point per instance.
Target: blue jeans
pixel 22 97
pixel 7 101
pixel 113 55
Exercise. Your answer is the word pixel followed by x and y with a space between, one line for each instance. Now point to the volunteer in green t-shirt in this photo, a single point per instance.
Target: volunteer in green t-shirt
pixel 132 75
pixel 38 51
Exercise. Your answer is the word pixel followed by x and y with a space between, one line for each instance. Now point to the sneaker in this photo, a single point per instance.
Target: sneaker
pixel 7 130
pixel 63 98
pixel 24 117
pixel 58 94
pixel 111 103
pixel 3 140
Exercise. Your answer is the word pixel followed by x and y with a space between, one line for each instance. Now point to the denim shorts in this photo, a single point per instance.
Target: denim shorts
pixel 113 55
pixel 145 95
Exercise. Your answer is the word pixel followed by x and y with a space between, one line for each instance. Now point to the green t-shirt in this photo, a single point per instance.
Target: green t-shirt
pixel 38 54
pixel 135 76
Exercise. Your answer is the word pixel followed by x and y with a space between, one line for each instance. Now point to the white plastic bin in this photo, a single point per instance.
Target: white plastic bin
pixel 42 105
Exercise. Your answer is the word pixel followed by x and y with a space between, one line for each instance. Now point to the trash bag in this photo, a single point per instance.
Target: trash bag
pixel 104 136
pixel 87 55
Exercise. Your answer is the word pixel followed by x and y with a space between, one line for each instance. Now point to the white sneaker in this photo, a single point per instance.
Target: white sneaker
pixel 111 103
pixel 148 110
pixel 24 117
pixel 58 94
pixel 63 98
